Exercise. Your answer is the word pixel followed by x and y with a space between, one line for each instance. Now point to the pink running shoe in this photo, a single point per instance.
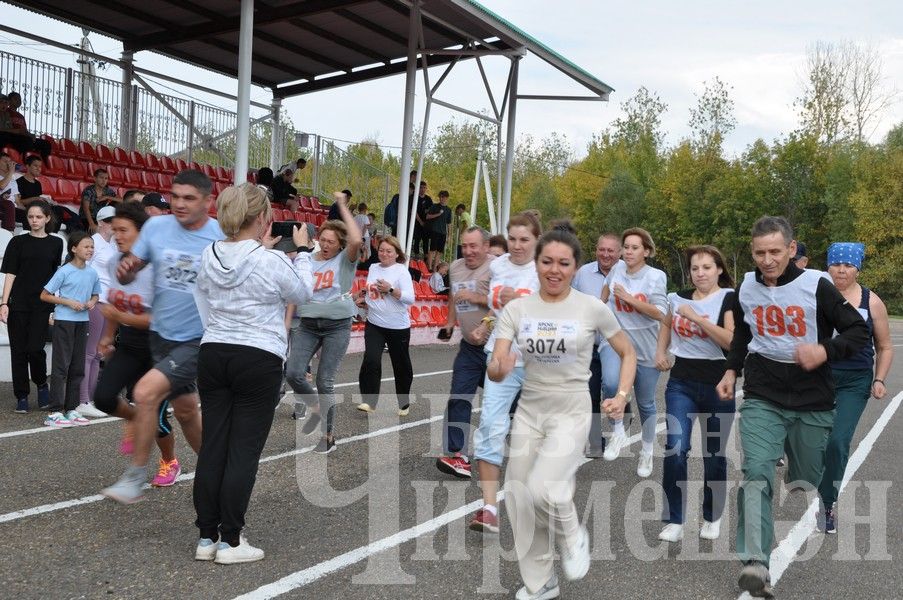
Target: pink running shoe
pixel 127 444
pixel 167 474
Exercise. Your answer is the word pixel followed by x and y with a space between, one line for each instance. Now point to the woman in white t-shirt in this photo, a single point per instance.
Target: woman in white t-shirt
pixel 698 330
pixel 636 294
pixel 553 333
pixel 325 323
pixel 388 296
pixel 512 275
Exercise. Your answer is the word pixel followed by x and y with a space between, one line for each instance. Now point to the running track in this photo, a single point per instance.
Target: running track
pixel 388 525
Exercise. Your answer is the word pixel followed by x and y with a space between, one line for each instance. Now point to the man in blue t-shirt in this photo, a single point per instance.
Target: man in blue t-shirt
pixel 173 244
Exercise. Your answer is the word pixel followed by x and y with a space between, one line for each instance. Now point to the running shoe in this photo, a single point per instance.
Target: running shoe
pixel 404 410
pixel 614 445
pixel 547 592
pixel 57 419
pixel 129 488
pixel 313 421
pixel 127 444
pixel 76 418
pixel 167 474
pixel 575 558
pixel 457 465
pixel 710 530
pixel 44 397
pixel 644 468
pixel 22 406
pixel 484 521
pixel 206 549
pixel 89 410
pixel 755 579
pixel 830 519
pixel 363 406
pixel 672 533
pixel 325 446
pixel 242 553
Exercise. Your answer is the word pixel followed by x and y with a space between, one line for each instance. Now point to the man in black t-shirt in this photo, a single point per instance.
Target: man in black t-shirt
pixel 438 220
pixel 421 242
pixel 30 189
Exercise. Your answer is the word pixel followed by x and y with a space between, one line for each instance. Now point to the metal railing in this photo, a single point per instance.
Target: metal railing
pixel 335 169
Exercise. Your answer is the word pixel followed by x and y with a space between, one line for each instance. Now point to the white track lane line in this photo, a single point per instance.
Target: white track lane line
pixel 318 571
pixel 786 551
pixel 44 429
pixel 53 507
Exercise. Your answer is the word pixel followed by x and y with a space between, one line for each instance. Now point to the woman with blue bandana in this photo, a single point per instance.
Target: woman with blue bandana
pixel 853 377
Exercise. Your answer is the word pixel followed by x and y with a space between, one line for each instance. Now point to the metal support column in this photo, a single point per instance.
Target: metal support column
pixel 245 44
pixel 125 104
pixel 276 135
pixel 505 200
pixel 67 104
pixel 409 241
pixel 192 113
pixel 404 178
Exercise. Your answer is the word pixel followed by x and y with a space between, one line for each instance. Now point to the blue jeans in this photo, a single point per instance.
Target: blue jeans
pixel 331 336
pixel 685 401
pixel 489 439
pixel 468 373
pixel 643 388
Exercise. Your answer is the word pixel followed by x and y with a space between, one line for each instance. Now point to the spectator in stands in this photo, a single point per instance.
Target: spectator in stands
pixel 465 221
pixel 421 244
pixel 30 189
pixel 283 191
pixel 95 196
pixel 15 131
pixel 265 181
pixel 334 214
pixel 29 263
pixel 363 221
pixel 154 205
pixel 498 245
pixel 390 215
pixel 438 219
pixel 133 196
pixel 9 192
pixel 439 279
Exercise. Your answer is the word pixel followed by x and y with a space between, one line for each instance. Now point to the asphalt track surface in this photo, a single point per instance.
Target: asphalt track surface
pixel 375 519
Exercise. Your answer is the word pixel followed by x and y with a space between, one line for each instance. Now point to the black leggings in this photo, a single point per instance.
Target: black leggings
pixel 27 331
pixel 398 340
pixel 123 370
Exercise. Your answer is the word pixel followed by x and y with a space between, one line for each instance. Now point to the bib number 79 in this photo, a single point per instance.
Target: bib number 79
pixel 776 321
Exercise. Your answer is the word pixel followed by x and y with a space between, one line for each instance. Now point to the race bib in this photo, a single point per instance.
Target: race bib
pixel 463 306
pixel 549 341
pixel 180 271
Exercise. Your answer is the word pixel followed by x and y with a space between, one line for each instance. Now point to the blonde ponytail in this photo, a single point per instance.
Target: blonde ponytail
pixel 238 206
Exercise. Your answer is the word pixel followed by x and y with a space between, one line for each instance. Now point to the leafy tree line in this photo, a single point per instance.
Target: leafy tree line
pixel 825 176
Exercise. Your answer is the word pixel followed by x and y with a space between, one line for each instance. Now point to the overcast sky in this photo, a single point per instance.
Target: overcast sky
pixel 672 48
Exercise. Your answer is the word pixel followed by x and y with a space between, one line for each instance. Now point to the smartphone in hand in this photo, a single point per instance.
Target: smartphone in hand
pixel 444 334
pixel 285 229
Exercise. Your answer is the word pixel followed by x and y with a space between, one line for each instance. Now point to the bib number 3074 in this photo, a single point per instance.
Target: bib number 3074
pixel 776 321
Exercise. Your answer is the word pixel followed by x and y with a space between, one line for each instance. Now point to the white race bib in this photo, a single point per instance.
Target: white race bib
pixel 179 272
pixel 463 306
pixel 548 341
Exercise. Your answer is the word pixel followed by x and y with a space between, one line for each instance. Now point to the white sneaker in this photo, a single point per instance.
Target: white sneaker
pixel 363 406
pixel 91 411
pixel 710 530
pixel 57 420
pixel 242 553
pixel 644 468
pixel 547 592
pixel 575 559
pixel 206 549
pixel 672 532
pixel 614 445
pixel 75 417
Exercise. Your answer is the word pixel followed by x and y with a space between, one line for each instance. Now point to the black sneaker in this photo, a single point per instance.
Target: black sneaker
pixel 300 411
pixel 325 446
pixel 313 421
pixel 755 579
pixel 44 397
pixel 830 520
pixel 22 406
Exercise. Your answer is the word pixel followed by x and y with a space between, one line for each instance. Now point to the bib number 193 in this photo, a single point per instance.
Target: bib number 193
pixel 776 321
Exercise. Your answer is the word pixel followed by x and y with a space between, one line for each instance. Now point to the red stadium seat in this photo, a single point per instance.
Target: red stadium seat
pixel 136 160
pixel 13 154
pixel 48 185
pixel 444 310
pixel 151 162
pixel 117 175
pixel 90 167
pixel 196 166
pixel 277 215
pixel 223 174
pixel 54 166
pixel 299 216
pixel 321 218
pixel 66 148
pixel 304 202
pixel 133 178
pixel 121 158
pixel 104 154
pixel 219 186
pixel 181 165
pixel 436 319
pixel 415 317
pixel 209 171
pixel 168 165
pixel 86 152
pixel 149 181
pixel 164 182
pixel 68 191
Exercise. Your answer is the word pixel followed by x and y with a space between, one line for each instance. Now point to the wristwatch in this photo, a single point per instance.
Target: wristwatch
pixel 391 289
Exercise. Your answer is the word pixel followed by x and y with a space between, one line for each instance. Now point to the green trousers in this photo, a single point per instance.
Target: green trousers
pixel 852 391
pixel 767 431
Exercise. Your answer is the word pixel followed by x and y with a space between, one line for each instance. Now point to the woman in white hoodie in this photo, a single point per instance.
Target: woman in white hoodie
pixel 243 288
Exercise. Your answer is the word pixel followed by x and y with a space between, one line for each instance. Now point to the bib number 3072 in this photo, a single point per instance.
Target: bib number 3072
pixel 776 321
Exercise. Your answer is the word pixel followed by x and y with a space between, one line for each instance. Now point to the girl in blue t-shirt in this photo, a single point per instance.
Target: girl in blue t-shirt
pixel 79 288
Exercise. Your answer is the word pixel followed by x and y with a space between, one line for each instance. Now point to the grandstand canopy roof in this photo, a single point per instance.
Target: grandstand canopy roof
pixel 302 46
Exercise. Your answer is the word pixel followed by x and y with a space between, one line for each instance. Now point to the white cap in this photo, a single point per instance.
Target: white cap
pixel 107 212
